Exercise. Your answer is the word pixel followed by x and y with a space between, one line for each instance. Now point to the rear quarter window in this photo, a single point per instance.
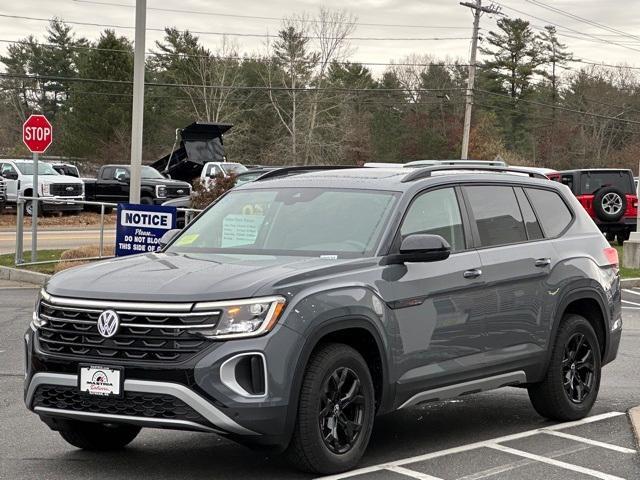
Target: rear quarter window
pixel 552 212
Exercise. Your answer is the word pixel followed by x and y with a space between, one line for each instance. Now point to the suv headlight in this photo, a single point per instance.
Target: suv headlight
pixel 161 191
pixel 242 318
pixel 36 321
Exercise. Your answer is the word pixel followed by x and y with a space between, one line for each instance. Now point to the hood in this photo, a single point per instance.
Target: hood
pixel 188 277
pixel 165 181
pixel 58 179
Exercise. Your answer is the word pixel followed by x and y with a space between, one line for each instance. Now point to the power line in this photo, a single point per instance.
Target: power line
pixel 239 34
pixel 582 19
pixel 559 107
pixel 598 39
pixel 228 87
pixel 215 57
pixel 257 17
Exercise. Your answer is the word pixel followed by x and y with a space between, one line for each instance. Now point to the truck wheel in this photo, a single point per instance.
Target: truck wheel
pixel 28 208
pixel 146 201
pixel 621 237
pixel 97 436
pixel 335 412
pixel 571 383
pixel 610 236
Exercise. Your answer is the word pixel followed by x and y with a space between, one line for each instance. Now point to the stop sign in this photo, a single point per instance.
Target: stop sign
pixel 37 133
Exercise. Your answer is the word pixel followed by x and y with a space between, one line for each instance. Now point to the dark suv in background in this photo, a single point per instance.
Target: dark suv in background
pixel 297 308
pixel 608 195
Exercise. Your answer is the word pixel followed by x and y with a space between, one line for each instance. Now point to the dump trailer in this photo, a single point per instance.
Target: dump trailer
pixel 200 143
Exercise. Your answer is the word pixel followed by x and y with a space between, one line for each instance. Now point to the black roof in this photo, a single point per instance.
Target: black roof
pixel 594 170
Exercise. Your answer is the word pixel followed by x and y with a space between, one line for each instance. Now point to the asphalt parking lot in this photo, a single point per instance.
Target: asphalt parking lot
pixel 495 435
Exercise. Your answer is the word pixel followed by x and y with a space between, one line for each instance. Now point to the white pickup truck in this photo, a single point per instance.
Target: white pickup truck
pixel 58 190
pixel 211 169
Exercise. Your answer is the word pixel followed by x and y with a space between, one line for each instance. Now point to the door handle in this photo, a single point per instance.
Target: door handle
pixel 543 262
pixel 473 273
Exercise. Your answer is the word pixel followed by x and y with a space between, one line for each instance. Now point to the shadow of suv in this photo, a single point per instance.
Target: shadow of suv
pixel 298 307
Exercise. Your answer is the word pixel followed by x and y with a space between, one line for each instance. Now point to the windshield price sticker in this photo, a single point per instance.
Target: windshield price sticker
pixel 140 227
pixel 239 230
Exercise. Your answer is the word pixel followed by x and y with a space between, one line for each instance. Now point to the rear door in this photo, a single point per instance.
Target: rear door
pixel 10 183
pixel 516 263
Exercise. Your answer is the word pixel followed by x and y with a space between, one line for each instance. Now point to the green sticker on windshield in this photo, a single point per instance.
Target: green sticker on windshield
pixel 238 230
pixel 187 239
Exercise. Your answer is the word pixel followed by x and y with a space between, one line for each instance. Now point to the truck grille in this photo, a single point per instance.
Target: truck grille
pixel 65 189
pixel 149 405
pixel 3 188
pixel 174 192
pixel 142 336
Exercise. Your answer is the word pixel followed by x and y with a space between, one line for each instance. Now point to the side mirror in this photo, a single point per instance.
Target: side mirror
pixel 10 175
pixel 168 237
pixel 421 247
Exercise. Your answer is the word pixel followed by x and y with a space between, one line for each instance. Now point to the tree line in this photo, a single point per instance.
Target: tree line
pixel 303 101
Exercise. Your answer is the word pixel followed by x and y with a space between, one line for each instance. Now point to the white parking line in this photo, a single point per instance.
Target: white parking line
pixel 554 462
pixel 634 292
pixel 631 303
pixel 475 445
pixel 590 442
pixel 411 473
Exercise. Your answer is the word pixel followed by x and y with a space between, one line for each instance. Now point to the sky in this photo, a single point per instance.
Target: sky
pixel 412 19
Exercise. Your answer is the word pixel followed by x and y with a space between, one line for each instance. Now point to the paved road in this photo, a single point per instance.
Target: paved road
pixel 495 435
pixel 49 239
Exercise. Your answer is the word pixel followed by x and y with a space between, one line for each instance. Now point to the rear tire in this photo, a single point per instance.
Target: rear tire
pixel 335 412
pixel 571 383
pixel 98 436
pixel 621 238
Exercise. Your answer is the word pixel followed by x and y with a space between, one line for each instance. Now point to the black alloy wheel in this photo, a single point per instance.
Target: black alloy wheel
pixel 341 410
pixel 578 369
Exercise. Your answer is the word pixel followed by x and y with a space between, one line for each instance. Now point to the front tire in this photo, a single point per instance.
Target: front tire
pixel 97 436
pixel 335 412
pixel 571 383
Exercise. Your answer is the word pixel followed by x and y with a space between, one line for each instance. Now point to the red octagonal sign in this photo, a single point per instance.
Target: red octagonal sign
pixel 37 133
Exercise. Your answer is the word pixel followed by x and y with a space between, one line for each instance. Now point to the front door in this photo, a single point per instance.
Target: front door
pixel 438 306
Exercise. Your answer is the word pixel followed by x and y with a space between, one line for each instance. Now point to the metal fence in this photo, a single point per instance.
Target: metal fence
pixel 189 213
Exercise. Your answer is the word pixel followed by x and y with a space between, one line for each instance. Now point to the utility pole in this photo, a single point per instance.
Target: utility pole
pixel 478 10
pixel 137 114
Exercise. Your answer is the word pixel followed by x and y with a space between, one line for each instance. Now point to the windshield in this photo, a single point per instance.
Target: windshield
pixel 233 168
pixel 150 172
pixel 26 168
pixel 291 221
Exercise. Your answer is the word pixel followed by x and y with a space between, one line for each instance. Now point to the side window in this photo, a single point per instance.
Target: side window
pixel 107 173
pixel 553 213
pixel 497 215
pixel 7 168
pixel 568 181
pixel 120 173
pixel 534 232
pixel 437 213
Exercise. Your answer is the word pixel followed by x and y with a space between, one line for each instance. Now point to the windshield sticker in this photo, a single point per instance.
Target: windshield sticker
pixel 187 239
pixel 240 230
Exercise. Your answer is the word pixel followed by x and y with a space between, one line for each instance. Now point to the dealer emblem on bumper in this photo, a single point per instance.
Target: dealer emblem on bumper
pixel 108 323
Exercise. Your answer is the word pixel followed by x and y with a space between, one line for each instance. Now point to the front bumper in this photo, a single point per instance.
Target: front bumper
pixel 58 204
pixel 198 398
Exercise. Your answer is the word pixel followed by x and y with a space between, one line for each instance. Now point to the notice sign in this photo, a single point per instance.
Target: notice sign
pixel 140 227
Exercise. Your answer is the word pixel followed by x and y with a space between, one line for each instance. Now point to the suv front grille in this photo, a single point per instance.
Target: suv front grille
pixel 142 336
pixel 148 405
pixel 65 189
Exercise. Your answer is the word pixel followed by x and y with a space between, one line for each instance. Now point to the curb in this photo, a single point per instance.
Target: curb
pixel 630 282
pixel 634 418
pixel 25 276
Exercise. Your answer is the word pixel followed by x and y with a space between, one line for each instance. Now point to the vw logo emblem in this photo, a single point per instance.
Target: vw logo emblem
pixel 108 323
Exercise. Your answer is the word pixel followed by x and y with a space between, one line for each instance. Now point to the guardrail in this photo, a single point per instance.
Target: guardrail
pixel 189 214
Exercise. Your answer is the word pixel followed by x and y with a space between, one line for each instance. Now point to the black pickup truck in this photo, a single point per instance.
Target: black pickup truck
pixel 112 185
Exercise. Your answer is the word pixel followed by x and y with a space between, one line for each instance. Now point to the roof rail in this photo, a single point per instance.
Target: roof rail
pixel 286 171
pixel 441 163
pixel 426 172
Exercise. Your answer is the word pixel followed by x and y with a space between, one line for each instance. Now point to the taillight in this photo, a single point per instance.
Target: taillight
pixel 611 254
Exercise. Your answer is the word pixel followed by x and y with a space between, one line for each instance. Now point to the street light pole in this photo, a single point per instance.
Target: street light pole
pixel 137 114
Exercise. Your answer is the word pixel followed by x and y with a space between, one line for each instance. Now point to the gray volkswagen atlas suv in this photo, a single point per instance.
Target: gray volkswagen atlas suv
pixel 299 307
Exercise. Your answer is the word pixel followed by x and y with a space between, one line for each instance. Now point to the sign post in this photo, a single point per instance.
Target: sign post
pixel 37 135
